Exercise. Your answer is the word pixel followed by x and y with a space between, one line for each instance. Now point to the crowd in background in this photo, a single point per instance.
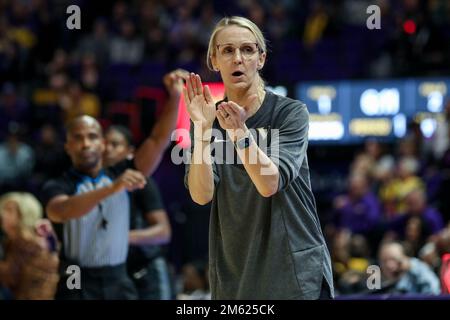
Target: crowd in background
pixel 385 192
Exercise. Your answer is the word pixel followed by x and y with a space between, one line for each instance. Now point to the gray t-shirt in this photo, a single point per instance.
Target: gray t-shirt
pixel 267 248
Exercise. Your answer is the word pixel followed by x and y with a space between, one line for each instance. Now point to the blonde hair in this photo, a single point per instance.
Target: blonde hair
pixel 30 209
pixel 240 22
pixel 234 21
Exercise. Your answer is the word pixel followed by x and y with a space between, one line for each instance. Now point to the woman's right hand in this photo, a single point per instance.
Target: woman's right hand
pixel 199 102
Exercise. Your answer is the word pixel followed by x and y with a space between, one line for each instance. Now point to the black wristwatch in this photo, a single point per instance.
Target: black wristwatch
pixel 244 142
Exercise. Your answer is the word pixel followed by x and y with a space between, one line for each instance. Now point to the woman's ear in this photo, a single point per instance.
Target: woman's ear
pixel 214 63
pixel 261 60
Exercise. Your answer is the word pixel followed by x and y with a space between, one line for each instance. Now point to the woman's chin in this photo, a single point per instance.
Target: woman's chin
pixel 237 85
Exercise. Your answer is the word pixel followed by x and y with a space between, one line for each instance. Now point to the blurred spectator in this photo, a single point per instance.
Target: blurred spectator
pixel 97 43
pixel 257 14
pixel 127 47
pixel 182 31
pixel 89 76
pixel 376 151
pixel 16 161
pixel 59 63
pixel 150 13
pixel 120 13
pixel 362 164
pixel 316 24
pixel 278 24
pixel 417 224
pixel 444 199
pixel 76 102
pixel 22 30
pixel 439 11
pixel 430 255
pixel 154 23
pixel 340 251
pixel 381 163
pixel 46 26
pixel 416 206
pixel 50 157
pixel 440 139
pixel 205 25
pixel 195 281
pixel 415 235
pixel 9 52
pixel 354 11
pixel 358 210
pixel 393 194
pixel 30 267
pixel 12 108
pixel 353 280
pixel 58 82
pixel 182 35
pixel 409 146
pixel 409 274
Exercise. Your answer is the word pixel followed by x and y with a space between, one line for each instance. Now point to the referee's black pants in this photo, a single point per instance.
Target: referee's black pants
pixel 100 283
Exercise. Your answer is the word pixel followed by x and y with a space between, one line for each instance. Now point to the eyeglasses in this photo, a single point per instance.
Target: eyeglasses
pixel 247 50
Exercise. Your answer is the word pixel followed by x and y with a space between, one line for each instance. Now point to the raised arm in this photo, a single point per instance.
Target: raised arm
pixel 202 112
pixel 150 153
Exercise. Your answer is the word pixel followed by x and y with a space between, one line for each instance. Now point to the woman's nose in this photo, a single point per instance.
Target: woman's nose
pixel 237 55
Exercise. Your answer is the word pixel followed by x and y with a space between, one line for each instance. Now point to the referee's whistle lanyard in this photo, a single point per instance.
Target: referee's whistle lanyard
pixel 94 181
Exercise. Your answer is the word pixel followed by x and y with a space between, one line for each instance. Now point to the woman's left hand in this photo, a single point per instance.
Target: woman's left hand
pixel 232 117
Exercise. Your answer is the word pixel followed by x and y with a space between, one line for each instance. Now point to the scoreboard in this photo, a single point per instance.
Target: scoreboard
pixel 349 111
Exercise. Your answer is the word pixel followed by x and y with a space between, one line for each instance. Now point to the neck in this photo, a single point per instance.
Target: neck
pixel 92 172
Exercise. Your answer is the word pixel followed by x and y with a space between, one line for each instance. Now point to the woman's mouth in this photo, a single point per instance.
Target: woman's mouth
pixel 237 76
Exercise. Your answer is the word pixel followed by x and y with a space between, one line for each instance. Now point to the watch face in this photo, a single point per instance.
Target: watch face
pixel 246 142
pixel 243 143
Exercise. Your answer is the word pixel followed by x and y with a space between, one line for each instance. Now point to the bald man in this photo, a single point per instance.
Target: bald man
pixel 411 274
pixel 91 203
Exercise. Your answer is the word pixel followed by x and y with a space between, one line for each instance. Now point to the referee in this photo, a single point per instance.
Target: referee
pixel 91 205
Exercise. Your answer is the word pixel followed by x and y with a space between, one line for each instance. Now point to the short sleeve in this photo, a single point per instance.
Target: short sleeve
pixel 289 142
pixel 55 188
